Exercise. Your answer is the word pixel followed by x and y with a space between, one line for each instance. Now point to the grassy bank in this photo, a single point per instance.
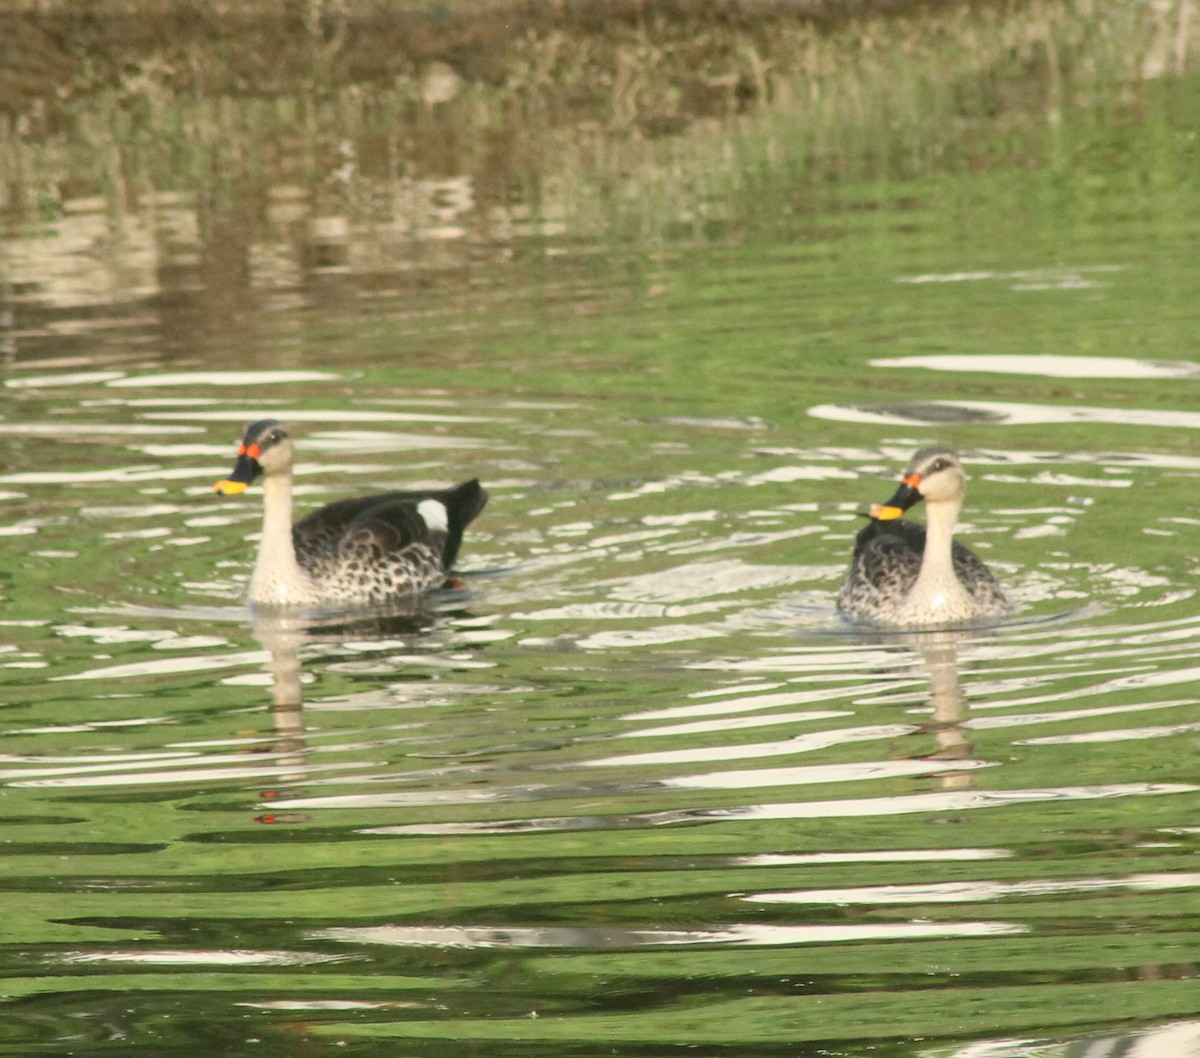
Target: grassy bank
pixel 563 110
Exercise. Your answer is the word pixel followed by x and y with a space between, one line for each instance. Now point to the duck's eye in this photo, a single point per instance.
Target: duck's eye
pixel 939 465
pixel 274 437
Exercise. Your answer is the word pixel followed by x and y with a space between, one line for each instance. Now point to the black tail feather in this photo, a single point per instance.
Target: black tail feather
pixel 463 504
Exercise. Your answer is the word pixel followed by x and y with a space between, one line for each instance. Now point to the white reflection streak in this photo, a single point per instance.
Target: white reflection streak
pixel 648 637
pixel 170 666
pixel 201 957
pixel 41 767
pixel 316 415
pixel 1174 1040
pixel 328 1004
pixel 946 801
pixel 91 725
pixel 974 892
pixel 697 580
pixel 587 937
pixel 728 780
pixel 882 856
pixel 220 378
pixel 67 378
pixel 958 801
pixel 784 475
pixel 608 611
pixel 800 744
pixel 147 510
pixel 1130 734
pixel 1016 414
pixel 815 661
pixel 393 800
pixel 1134 681
pixel 820 773
pixel 92 429
pixel 636 536
pixel 738 723
pixel 1028 274
pixel 737 688
pixel 1049 366
pixel 157 638
pixel 119 475
pixel 286 768
pixel 981 723
pixel 1181 1040
pixel 365 441
pixel 751 703
pixel 163 770
pixel 742 540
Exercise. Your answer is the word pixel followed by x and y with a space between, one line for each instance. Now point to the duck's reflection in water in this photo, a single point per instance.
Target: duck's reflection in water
pixel 288 638
pixel 939 653
pixel 281 635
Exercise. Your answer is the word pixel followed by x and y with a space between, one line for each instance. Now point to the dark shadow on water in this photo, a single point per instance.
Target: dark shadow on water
pixel 284 633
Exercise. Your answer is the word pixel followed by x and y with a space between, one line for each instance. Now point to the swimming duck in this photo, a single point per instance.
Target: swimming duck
pixel 372 549
pixel 911 575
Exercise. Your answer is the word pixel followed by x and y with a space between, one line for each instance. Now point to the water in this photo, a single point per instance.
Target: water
pixel 628 786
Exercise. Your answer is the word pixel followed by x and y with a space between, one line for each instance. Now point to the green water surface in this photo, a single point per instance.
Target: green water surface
pixel 630 786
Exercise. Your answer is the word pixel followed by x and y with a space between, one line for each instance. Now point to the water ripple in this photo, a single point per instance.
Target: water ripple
pixel 976 892
pixel 582 937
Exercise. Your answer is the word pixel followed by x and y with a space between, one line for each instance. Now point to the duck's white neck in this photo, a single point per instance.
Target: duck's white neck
pixel 278 579
pixel 937 589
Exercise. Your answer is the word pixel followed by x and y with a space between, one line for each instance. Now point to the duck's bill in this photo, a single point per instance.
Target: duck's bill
pixel 905 496
pixel 245 471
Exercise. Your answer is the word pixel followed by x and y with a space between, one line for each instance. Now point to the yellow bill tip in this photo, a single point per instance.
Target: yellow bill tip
pixel 229 488
pixel 885 513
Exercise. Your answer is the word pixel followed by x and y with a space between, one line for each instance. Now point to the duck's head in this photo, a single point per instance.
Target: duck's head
pixel 265 449
pixel 934 475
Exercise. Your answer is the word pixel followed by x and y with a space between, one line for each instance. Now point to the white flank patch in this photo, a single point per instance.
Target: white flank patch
pixel 433 513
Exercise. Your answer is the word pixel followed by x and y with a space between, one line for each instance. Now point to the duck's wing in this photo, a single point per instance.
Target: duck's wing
pixel 393 548
pixel 974 575
pixel 887 559
pixel 379 528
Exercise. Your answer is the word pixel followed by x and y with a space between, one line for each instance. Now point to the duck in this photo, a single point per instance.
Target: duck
pixel 369 550
pixel 907 575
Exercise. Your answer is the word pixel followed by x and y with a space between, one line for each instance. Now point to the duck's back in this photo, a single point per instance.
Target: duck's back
pixel 396 543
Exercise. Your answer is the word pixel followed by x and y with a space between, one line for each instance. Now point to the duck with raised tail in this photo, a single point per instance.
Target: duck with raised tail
pixel 370 550
pixel 907 575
